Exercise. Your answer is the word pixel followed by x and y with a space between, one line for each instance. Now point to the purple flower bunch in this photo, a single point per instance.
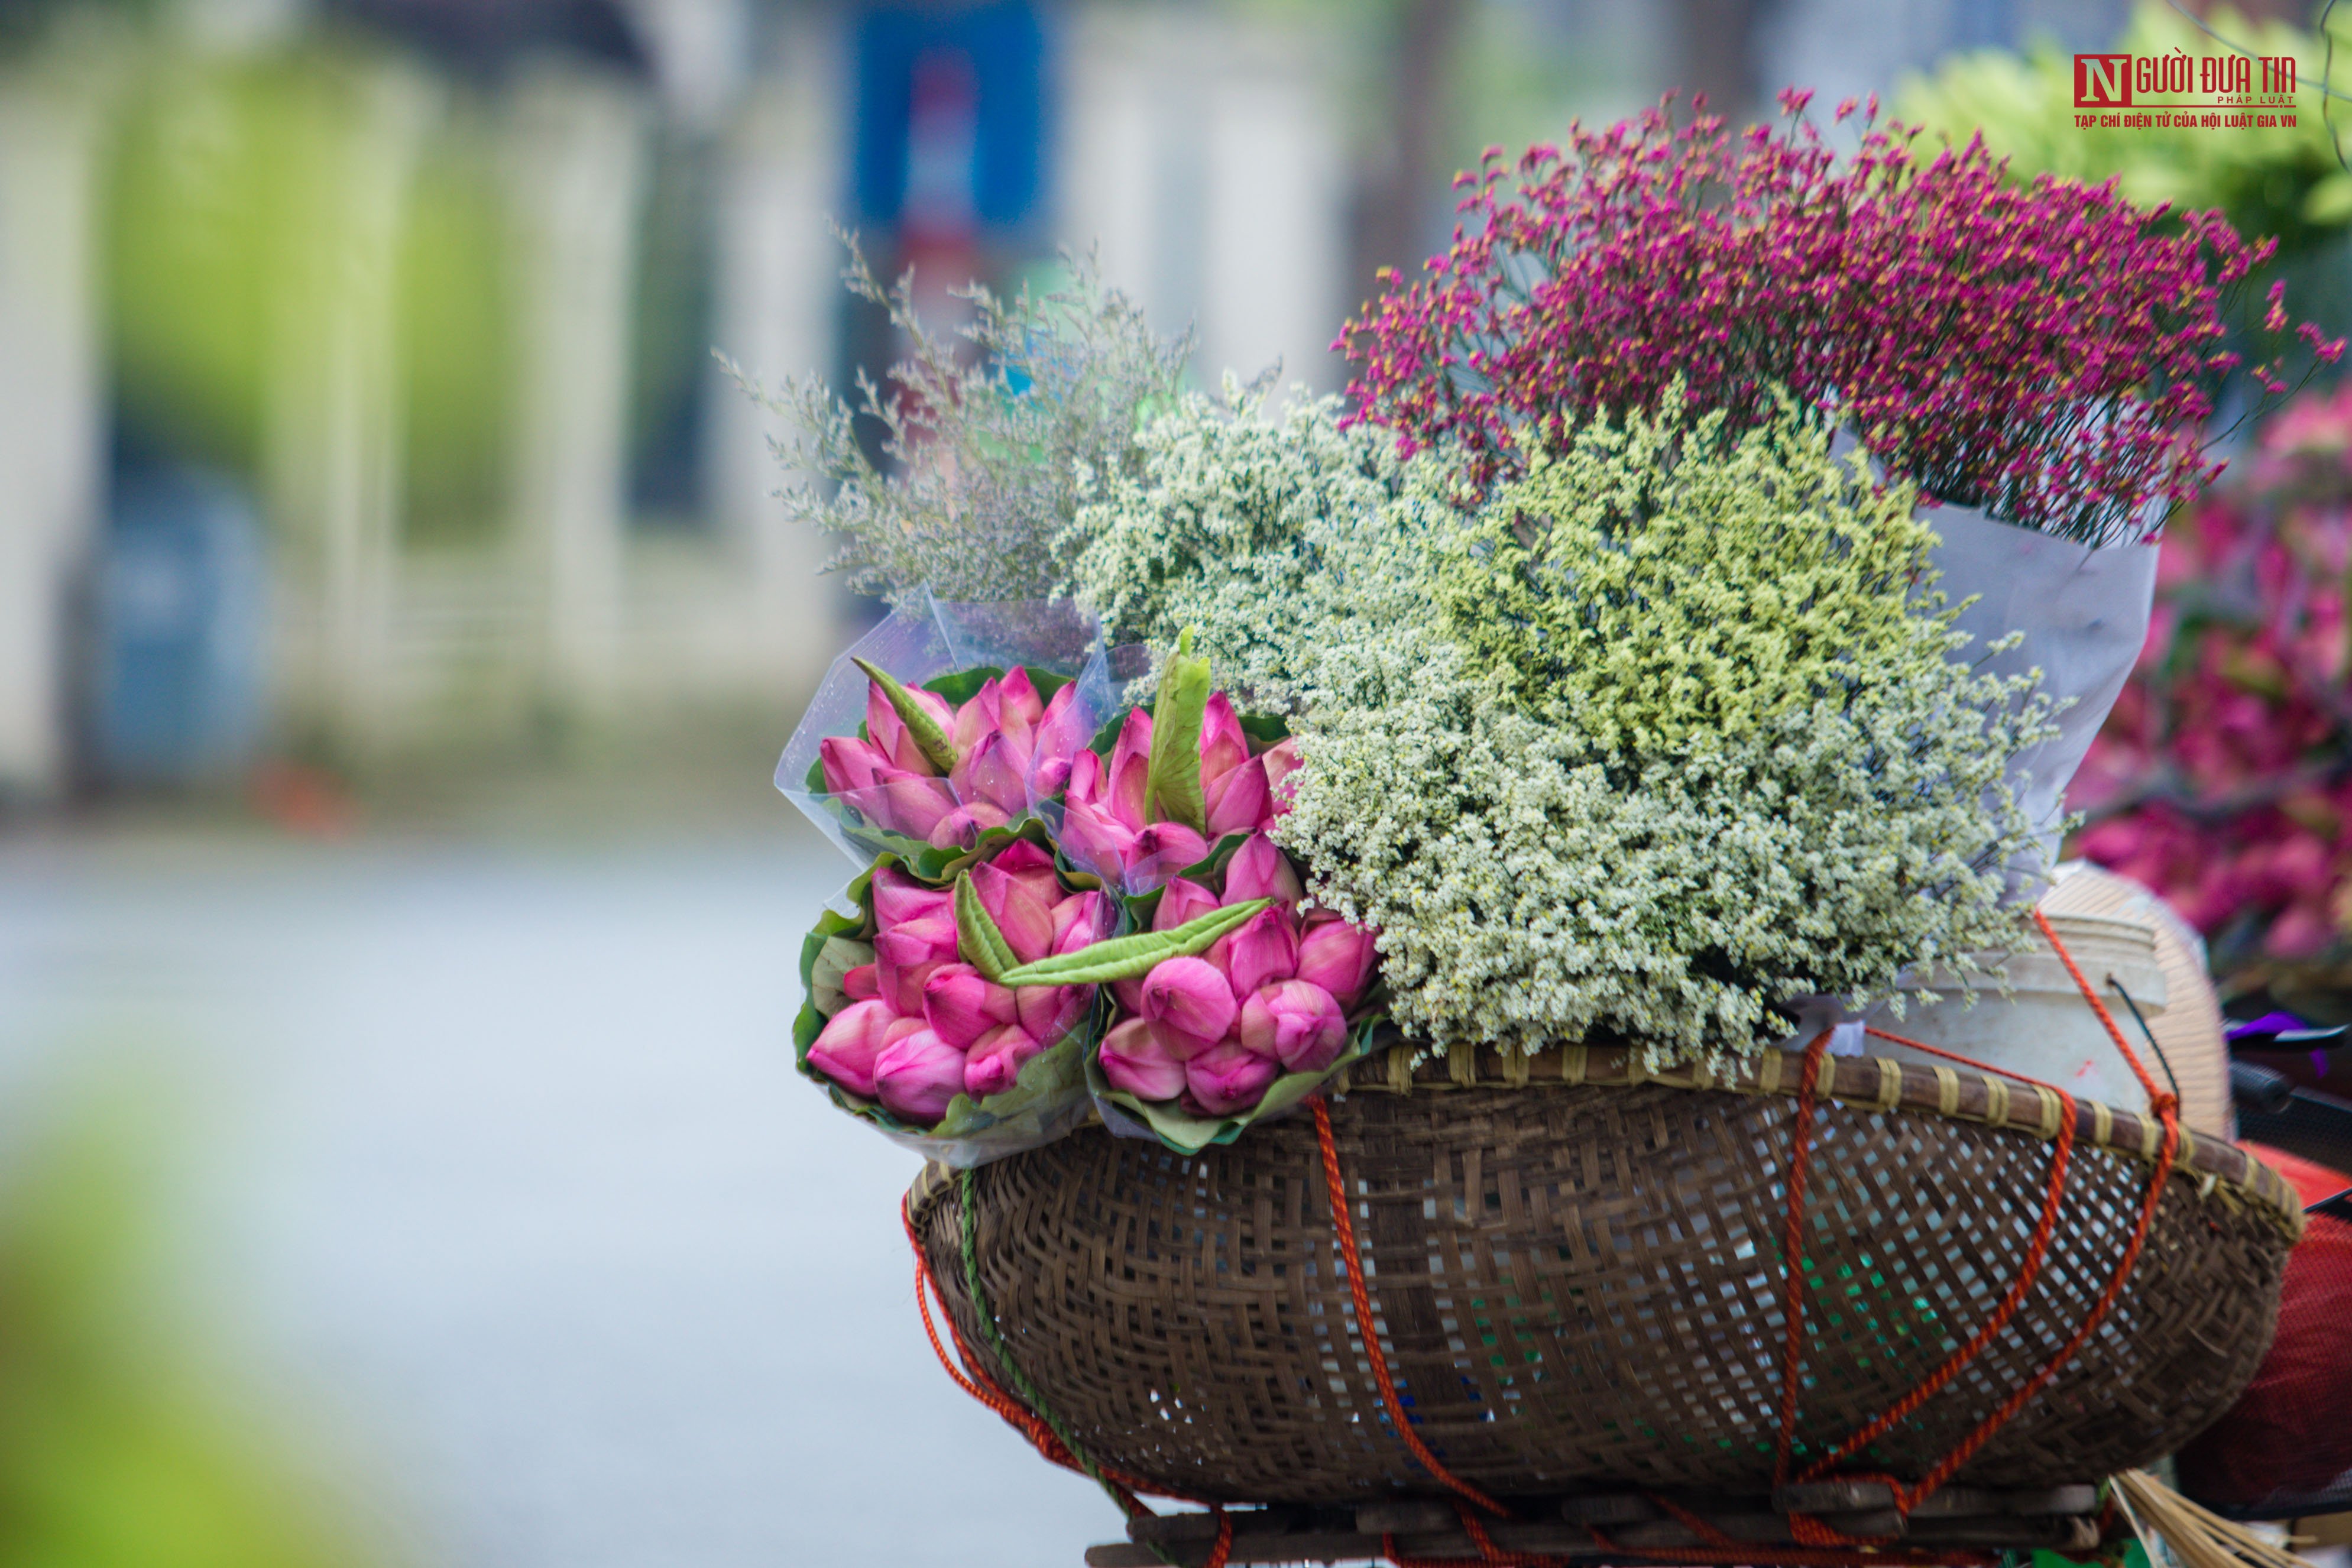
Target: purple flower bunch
pixel 2224 777
pixel 2049 352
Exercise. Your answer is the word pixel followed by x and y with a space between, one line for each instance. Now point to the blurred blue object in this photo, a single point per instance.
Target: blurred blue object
pixel 999 50
pixel 181 633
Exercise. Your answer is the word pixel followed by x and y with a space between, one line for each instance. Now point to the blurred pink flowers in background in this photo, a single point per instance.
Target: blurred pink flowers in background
pixel 2223 778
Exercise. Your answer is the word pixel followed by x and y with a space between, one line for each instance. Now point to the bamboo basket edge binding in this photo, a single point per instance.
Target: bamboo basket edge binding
pixel 1094 1350
pixel 2218 1168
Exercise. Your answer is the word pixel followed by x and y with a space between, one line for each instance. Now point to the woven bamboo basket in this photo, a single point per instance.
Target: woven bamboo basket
pixel 1574 1268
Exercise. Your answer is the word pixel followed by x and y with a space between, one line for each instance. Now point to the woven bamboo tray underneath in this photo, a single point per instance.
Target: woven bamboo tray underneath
pixel 1577 1277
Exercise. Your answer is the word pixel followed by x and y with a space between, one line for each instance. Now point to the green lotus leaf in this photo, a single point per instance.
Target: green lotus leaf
pixel 1171 791
pixel 921 727
pixel 982 944
pixel 835 959
pixel 1125 957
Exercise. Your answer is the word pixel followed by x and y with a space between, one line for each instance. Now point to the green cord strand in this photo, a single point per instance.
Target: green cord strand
pixel 987 1316
pixel 966 1184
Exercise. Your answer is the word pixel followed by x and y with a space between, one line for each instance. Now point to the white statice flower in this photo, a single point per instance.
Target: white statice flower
pixel 1657 858
pixel 1265 535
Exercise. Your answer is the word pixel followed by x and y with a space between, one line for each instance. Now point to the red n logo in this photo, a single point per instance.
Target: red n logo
pixel 2102 82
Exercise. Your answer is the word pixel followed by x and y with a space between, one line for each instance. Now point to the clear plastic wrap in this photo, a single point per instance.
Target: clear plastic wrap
pixel 927 650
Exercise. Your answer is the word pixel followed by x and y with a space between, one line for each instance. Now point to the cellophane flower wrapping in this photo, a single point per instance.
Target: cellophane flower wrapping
pixel 950 650
pixel 2079 613
pixel 981 1073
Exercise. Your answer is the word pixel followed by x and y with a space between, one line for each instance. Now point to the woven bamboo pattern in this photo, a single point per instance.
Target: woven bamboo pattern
pixel 1577 1280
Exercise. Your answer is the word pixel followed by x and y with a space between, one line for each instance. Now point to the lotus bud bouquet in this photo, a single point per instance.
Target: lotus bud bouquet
pixel 1695 620
pixel 960 1008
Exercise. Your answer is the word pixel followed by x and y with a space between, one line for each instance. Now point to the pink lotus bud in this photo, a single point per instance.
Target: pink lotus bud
pixel 1281 761
pixel 887 733
pixel 1091 837
pixel 860 983
pixel 995 771
pixel 918 1076
pixel 1020 708
pixel 1187 994
pixel 1260 870
pixel 1240 801
pixel 979 716
pixel 845 1047
pixel 1048 776
pixel 906 955
pixel 1161 850
pixel 1026 920
pixel 1130 994
pixel 1224 747
pixel 851 764
pixel 1058 740
pixel 911 804
pixel 1336 956
pixel 962 827
pixel 1228 1077
pixel 996 1062
pixel 1135 1059
pixel 1297 1023
pixel 1182 900
pixel 1031 867
pixel 1089 780
pixel 1129 773
pixel 1049 1012
pixel 1080 919
pixel 1263 952
pixel 960 1006
pixel 899 899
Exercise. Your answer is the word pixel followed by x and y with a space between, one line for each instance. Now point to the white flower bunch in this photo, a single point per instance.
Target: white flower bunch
pixel 1785 784
pixel 1267 536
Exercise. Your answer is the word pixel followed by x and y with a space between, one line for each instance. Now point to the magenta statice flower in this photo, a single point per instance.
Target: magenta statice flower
pixel 2050 352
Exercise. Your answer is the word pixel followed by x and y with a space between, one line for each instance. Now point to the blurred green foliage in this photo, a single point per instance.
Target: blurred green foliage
pixel 2285 182
pixel 203 208
pixel 232 232
pixel 457 345
pixel 115 1452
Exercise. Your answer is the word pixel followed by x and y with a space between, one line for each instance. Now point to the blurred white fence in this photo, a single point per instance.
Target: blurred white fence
pixel 1203 151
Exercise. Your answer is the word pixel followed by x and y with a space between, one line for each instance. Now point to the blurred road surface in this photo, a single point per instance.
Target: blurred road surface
pixel 496 1175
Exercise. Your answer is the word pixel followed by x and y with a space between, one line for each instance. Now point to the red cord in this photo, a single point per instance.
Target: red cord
pixel 1343 1224
pixel 1792 1245
pixel 985 1389
pixel 1907 1498
pixel 1820 1546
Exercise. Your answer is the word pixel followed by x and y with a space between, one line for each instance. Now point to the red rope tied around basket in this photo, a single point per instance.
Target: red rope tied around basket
pixel 1820 1546
pixel 1722 1549
pixel 1121 1486
pixel 1343 1227
pixel 1908 1497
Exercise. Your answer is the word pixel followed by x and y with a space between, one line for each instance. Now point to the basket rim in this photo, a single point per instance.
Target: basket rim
pixel 2216 1166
